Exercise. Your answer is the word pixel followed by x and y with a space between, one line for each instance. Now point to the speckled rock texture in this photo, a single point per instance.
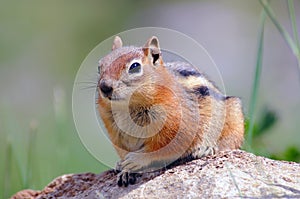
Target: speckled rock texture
pixel 230 174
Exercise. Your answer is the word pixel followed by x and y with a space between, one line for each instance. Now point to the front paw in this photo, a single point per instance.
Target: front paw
pixel 130 167
pixel 203 151
pixel 134 162
pixel 125 178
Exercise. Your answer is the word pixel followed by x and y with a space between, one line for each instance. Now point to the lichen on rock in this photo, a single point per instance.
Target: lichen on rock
pixel 228 174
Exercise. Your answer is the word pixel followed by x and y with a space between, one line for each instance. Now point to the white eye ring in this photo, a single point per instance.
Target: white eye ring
pixel 135 67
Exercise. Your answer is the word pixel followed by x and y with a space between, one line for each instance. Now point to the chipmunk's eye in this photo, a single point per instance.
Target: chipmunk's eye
pixel 135 68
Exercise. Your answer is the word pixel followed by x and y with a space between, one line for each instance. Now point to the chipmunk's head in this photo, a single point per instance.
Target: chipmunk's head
pixel 128 69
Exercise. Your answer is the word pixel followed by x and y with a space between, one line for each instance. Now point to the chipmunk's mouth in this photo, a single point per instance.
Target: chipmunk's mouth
pixel 115 98
pixel 111 98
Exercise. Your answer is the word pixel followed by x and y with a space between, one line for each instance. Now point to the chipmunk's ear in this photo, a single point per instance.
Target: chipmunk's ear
pixel 152 50
pixel 117 43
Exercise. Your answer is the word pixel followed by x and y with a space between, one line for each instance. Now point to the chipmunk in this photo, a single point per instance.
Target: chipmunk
pixel 157 112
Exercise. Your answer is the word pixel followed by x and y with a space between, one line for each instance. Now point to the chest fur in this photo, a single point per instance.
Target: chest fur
pixel 136 125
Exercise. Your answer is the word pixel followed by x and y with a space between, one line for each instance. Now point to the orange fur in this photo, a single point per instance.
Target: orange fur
pixel 189 120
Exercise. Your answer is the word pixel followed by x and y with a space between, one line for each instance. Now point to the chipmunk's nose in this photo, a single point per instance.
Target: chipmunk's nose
pixel 106 88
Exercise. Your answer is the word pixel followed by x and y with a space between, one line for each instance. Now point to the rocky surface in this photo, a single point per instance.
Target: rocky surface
pixel 231 174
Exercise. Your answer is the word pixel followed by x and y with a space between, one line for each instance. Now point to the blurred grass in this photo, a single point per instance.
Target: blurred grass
pixel 7 168
pixel 257 76
pixel 295 29
pixel 284 33
pixel 32 159
pixel 31 163
pixel 42 45
pixel 293 22
pixel 12 173
pixel 268 118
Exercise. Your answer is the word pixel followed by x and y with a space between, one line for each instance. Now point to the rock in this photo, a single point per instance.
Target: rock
pixel 27 193
pixel 230 174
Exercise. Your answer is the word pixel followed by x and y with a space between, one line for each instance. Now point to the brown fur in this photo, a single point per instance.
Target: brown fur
pixel 184 121
pixel 232 135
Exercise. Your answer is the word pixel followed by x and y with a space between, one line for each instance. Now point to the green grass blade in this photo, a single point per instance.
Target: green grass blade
pixel 7 170
pixel 30 154
pixel 294 27
pixel 293 20
pixel 256 82
pixel 283 32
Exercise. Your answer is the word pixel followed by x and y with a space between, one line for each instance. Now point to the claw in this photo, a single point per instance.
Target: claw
pixel 123 179
pixel 126 178
pixel 116 171
pixel 132 178
pixel 120 183
pixel 129 167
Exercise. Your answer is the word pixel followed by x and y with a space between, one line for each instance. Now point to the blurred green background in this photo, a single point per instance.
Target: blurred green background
pixel 42 44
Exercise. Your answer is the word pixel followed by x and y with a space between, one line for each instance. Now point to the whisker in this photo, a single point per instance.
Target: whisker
pixel 88 87
pixel 87 82
pixel 91 79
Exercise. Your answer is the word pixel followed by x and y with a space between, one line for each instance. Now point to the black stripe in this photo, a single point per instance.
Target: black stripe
pixel 186 73
pixel 204 91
